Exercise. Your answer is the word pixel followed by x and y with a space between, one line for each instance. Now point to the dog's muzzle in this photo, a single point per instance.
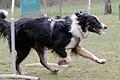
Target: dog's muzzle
pixel 100 31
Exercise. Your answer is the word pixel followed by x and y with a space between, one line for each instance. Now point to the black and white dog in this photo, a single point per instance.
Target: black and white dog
pixel 57 34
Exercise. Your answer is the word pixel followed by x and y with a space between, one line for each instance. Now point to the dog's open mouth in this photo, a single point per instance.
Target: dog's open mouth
pixel 98 31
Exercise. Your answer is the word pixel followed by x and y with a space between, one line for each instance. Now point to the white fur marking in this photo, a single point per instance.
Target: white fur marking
pixel 67 59
pixel 76 29
pixel 102 24
pixel 71 44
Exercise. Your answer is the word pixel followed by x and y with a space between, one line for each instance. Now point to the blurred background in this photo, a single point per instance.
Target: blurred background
pixel 68 6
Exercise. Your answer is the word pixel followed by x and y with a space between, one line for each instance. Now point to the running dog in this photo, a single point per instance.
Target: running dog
pixel 57 34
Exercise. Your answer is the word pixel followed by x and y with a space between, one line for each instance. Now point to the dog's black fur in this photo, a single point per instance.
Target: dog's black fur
pixel 37 34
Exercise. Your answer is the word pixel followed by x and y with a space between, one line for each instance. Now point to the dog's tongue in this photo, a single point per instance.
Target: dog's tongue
pixel 100 31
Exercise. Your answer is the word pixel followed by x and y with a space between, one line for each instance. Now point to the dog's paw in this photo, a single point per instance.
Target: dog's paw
pixel 55 72
pixel 64 61
pixel 101 61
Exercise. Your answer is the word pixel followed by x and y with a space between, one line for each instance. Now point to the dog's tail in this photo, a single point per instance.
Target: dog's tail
pixel 3 23
pixel 3 14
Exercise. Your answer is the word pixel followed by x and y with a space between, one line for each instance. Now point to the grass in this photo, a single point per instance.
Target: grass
pixel 106 46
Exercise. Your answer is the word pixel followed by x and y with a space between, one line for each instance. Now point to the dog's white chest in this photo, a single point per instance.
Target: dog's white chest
pixel 72 43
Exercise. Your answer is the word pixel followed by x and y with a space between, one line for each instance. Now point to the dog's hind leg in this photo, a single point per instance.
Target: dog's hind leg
pixel 85 53
pixel 21 55
pixel 41 54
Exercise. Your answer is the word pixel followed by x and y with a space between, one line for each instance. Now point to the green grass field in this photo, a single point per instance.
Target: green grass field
pixel 106 46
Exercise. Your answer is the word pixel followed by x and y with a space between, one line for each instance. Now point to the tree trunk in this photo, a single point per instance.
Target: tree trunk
pixel 108 9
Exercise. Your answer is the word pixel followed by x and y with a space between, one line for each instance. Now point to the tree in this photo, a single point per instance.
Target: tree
pixel 108 9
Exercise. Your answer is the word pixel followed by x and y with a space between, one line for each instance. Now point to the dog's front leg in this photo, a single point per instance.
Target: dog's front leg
pixel 85 53
pixel 64 58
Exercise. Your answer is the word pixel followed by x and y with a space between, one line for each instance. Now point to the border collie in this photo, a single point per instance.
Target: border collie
pixel 57 34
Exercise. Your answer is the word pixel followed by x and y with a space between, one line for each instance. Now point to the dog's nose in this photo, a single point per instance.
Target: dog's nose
pixel 105 27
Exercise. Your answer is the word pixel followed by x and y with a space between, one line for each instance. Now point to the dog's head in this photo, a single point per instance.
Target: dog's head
pixel 90 23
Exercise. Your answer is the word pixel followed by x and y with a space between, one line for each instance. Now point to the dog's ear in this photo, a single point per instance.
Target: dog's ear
pixel 84 13
pixel 81 13
pixel 78 14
